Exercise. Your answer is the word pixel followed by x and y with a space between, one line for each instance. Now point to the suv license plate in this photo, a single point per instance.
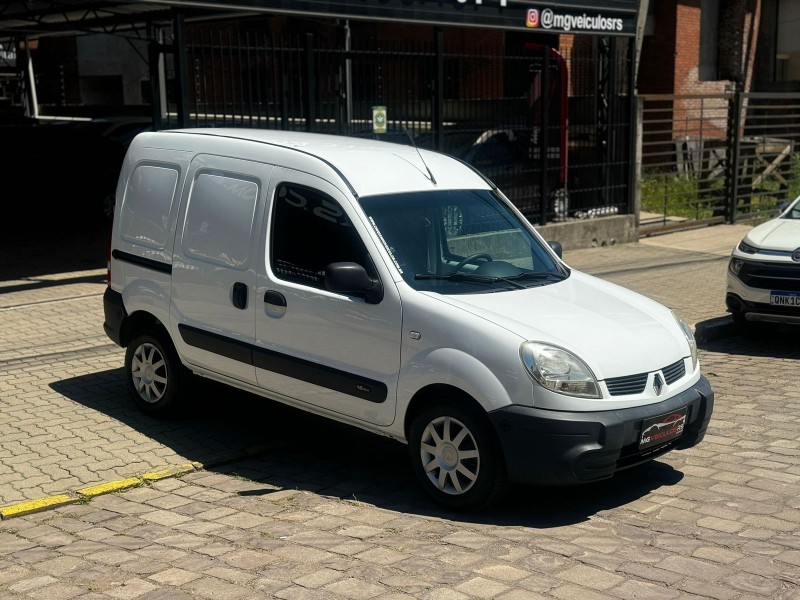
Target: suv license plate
pixel 784 298
pixel 663 428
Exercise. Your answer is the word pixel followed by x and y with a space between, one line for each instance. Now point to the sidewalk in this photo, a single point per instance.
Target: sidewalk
pixel 717 239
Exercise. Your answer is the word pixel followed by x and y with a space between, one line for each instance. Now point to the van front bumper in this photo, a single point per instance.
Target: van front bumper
pixel 548 447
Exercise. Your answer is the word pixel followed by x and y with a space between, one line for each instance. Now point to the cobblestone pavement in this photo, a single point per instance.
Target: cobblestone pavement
pixel 291 506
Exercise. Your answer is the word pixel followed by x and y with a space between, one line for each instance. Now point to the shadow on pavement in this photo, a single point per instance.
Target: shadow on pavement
pixel 52 249
pixel 235 432
pixel 754 339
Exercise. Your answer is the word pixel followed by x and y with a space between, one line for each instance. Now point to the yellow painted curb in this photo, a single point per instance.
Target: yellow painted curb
pixel 111 486
pixel 175 471
pixel 32 506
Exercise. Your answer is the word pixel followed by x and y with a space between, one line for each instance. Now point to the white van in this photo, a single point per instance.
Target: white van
pixel 396 290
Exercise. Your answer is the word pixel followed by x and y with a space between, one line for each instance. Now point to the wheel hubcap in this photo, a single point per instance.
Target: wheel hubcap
pixel 149 373
pixel 450 455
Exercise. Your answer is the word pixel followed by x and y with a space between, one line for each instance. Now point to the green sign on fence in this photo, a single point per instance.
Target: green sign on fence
pixel 379 119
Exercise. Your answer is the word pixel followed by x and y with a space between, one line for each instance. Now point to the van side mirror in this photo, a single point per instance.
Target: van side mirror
pixel 351 278
pixel 556 246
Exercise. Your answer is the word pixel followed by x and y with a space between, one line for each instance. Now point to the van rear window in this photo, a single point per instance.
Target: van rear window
pixel 147 205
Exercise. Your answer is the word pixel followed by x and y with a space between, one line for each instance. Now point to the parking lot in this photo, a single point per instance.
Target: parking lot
pixel 240 498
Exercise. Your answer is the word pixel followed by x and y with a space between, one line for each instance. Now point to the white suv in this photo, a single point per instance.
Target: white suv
pixel 764 271
pixel 396 290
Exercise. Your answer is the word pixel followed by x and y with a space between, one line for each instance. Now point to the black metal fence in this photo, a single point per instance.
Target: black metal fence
pixel 551 128
pixel 717 158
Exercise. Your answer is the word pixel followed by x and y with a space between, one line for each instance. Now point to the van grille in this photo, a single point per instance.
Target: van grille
pixel 634 384
pixel 629 384
pixel 674 372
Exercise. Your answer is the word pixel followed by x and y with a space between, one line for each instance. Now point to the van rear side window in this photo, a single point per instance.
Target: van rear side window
pixel 219 219
pixel 147 206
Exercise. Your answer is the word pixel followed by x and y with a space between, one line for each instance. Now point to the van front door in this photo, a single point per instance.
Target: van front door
pixel 314 346
pixel 212 313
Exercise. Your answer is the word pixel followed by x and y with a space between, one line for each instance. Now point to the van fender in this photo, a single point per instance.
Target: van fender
pixel 455 368
pixel 149 296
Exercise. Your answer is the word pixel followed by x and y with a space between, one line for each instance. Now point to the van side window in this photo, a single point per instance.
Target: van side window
pixel 310 231
pixel 219 219
pixel 147 205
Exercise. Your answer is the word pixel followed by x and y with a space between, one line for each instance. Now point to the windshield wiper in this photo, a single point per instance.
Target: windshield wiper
pixel 538 276
pixel 512 280
pixel 486 279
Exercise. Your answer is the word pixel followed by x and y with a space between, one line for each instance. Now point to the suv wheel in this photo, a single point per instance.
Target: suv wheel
pixel 455 457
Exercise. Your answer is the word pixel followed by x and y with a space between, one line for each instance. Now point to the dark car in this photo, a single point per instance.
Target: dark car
pixel 60 170
pixel 510 157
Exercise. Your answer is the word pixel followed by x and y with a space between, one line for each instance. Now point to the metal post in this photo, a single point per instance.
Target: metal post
pixel 438 99
pixel 155 60
pixel 181 68
pixel 544 133
pixel 611 148
pixel 732 153
pixel 311 84
pixel 635 106
pixel 348 78
pixel 635 194
pixel 25 66
pixel 602 116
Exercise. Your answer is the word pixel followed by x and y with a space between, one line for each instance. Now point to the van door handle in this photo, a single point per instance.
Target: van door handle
pixel 239 295
pixel 273 297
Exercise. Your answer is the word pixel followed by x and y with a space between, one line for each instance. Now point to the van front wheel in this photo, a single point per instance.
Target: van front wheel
pixel 456 458
pixel 154 374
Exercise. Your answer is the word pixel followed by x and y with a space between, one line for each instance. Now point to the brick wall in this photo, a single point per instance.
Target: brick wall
pixel 670 61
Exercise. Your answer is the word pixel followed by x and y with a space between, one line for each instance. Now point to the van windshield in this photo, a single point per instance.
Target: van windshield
pixel 460 241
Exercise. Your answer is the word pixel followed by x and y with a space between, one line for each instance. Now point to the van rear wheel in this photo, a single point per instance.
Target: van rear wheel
pixel 456 457
pixel 154 374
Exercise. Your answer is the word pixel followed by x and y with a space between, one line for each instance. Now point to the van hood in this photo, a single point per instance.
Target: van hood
pixel 615 331
pixel 778 234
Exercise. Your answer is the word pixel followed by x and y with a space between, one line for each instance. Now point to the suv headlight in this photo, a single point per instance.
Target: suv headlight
pixel 747 248
pixel 736 265
pixel 559 370
pixel 689 335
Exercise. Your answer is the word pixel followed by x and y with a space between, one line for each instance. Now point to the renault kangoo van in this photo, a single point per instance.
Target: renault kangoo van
pixel 396 290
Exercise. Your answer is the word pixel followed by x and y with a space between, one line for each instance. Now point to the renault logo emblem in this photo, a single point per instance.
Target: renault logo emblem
pixel 658 384
pixel 796 255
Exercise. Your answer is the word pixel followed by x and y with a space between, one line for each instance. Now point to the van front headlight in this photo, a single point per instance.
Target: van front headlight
pixel 559 370
pixel 689 335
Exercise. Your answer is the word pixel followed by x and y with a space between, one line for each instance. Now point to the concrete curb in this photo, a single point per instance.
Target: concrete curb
pixel 712 329
pixel 84 494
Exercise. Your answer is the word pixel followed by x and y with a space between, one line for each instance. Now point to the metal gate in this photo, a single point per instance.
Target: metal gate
pixel 717 158
pixel 551 128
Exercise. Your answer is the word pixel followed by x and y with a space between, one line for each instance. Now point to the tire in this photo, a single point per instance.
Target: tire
pixel 154 374
pixel 741 325
pixel 456 458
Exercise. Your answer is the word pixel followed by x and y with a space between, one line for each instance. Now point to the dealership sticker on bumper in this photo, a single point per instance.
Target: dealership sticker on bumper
pixel 663 428
pixel 784 298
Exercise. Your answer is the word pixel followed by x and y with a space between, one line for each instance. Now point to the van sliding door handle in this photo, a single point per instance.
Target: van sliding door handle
pixel 275 298
pixel 239 295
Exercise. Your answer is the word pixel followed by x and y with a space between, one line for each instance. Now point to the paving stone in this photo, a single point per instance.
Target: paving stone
pixel 480 587
pixel 174 577
pixel 707 589
pixel 355 588
pixel 631 590
pixel 589 577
